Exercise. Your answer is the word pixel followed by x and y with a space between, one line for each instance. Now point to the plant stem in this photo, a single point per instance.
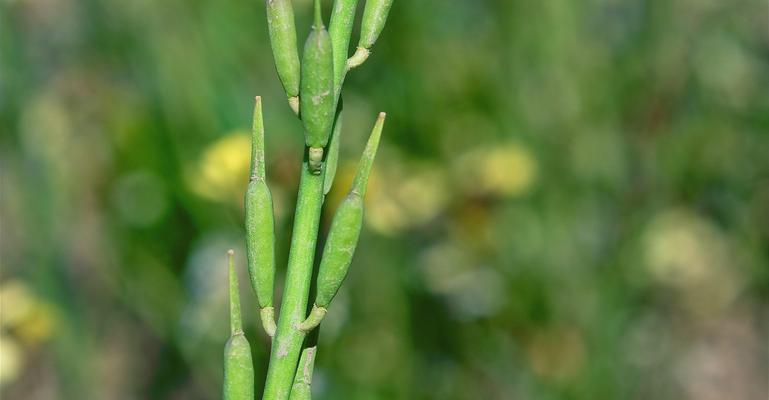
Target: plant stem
pixel 287 343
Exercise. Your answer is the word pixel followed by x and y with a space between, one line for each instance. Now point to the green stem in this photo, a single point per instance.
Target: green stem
pixel 287 343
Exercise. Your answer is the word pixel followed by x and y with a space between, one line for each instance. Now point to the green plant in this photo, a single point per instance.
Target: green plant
pixel 313 88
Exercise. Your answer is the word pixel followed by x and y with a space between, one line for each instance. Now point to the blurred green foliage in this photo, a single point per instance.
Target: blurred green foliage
pixel 571 202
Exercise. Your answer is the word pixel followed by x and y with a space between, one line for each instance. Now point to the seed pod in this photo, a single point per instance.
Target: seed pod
pixel 340 29
pixel 333 151
pixel 317 88
pixel 302 388
pixel 260 240
pixel 260 225
pixel 345 227
pixel 374 19
pixel 238 367
pixel 280 22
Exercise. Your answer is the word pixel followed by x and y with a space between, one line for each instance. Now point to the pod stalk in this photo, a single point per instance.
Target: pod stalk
pixel 360 56
pixel 314 319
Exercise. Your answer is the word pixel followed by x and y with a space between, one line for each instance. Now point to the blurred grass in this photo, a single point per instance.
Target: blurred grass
pixel 572 200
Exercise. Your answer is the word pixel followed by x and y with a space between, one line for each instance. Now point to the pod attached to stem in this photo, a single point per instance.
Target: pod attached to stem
pixel 302 388
pixel 343 234
pixel 332 158
pixel 238 366
pixel 280 23
pixel 317 90
pixel 260 226
pixel 374 18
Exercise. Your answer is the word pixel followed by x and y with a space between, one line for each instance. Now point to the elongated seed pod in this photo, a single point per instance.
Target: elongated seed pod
pixel 238 367
pixel 260 239
pixel 317 90
pixel 340 29
pixel 333 150
pixel 302 388
pixel 280 23
pixel 340 247
pixel 260 225
pixel 346 226
pixel 374 18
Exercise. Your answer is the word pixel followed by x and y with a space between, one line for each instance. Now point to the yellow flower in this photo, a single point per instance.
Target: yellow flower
pixel 504 170
pixel 221 173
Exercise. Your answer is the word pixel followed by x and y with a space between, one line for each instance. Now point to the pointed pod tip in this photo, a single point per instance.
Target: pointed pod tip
pixel 367 159
pixel 257 105
pixel 236 325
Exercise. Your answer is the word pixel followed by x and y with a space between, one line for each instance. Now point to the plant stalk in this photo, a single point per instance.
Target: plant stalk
pixel 287 344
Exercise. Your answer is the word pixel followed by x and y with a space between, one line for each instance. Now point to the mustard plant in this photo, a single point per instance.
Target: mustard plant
pixel 313 87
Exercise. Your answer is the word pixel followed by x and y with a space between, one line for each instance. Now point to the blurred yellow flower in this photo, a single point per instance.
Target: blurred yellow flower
pixel 38 326
pixel 17 302
pixel 688 253
pixel 504 170
pixel 11 359
pixel 399 199
pixel 221 173
pixel 31 319
pixel 24 321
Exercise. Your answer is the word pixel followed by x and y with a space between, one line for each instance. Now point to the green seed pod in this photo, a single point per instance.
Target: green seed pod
pixel 340 29
pixel 260 225
pixel 260 240
pixel 333 151
pixel 340 246
pixel 345 227
pixel 317 87
pixel 374 19
pixel 302 388
pixel 238 367
pixel 301 391
pixel 280 22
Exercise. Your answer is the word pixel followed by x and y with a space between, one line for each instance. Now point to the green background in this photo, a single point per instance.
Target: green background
pixel 571 200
